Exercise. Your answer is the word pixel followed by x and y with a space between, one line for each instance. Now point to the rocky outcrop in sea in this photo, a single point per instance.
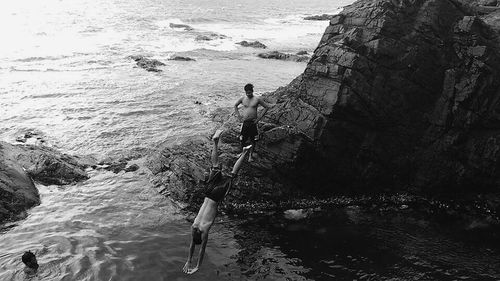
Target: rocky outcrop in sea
pixel 147 64
pixel 254 44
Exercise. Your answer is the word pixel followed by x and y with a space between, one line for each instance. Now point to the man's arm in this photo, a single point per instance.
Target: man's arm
pixel 187 266
pixel 266 108
pixel 238 102
pixel 201 254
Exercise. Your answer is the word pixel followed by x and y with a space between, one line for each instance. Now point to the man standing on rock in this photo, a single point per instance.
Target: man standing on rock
pixel 249 117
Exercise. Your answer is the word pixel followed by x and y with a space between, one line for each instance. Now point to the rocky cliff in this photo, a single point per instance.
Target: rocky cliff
pixel 398 95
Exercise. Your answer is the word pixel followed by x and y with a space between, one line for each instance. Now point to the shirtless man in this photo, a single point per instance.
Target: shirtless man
pixel 218 186
pixel 249 117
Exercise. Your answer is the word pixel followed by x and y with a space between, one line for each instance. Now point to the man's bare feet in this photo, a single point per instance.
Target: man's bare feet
pixel 246 148
pixel 186 267
pixel 217 134
pixel 193 270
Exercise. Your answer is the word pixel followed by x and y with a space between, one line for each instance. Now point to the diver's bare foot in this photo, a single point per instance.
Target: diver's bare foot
pixel 186 267
pixel 246 148
pixel 193 270
pixel 217 134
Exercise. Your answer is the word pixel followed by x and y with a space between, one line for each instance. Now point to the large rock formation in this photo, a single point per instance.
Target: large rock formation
pixel 398 95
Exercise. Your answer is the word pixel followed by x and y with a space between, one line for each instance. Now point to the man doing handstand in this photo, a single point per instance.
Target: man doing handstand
pixel 218 186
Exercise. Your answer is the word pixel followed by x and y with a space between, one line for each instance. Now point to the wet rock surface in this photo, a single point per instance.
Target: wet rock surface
pixel 17 191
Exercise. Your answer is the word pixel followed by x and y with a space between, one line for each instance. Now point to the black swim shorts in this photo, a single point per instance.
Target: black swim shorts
pixel 248 132
pixel 217 189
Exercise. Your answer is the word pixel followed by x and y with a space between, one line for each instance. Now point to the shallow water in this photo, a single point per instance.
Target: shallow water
pixel 117 227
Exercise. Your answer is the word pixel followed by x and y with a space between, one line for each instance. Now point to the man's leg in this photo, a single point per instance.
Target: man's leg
pixel 250 151
pixel 215 149
pixel 240 160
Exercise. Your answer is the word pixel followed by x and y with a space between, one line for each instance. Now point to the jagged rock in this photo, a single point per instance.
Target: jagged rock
pixel 319 17
pixel 254 44
pixel 17 191
pixel 184 26
pixel 283 56
pixel 148 64
pixel 180 58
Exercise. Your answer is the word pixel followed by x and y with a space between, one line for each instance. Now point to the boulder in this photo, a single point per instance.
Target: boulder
pixel 254 44
pixel 17 191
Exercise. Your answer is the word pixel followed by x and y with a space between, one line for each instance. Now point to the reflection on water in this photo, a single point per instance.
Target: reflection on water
pixel 116 227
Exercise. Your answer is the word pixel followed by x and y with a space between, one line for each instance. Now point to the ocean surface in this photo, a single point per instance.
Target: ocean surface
pixel 66 76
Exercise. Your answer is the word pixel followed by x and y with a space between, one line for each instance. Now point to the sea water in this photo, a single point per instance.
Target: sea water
pixel 66 75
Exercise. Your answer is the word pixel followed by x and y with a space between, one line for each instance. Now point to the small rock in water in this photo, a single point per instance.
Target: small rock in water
pixel 254 44
pixel 296 214
pixel 179 58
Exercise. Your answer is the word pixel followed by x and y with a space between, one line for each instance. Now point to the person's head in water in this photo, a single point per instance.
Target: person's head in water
pixel 29 259
pixel 249 90
pixel 196 236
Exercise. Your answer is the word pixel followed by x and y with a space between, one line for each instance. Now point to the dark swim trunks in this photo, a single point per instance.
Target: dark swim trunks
pixel 248 132
pixel 218 185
